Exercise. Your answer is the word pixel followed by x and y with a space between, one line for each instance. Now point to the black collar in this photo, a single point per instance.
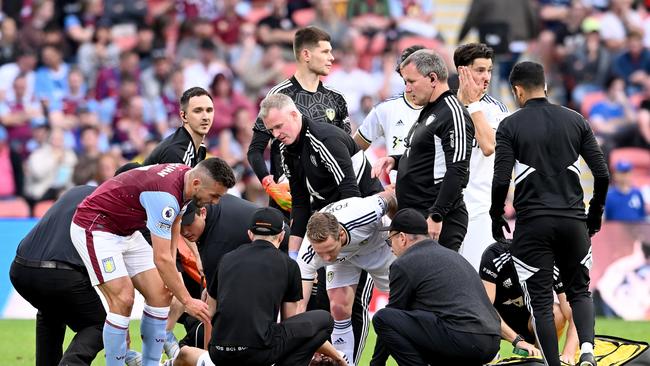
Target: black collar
pixel 536 101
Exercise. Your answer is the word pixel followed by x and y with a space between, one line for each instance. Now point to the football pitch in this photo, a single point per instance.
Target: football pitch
pixel 17 339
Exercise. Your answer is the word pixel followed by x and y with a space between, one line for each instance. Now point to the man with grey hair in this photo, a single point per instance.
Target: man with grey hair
pixel 323 165
pixel 440 141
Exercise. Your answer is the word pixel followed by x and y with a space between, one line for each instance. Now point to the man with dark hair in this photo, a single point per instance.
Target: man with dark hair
pixel 246 306
pixel 186 144
pixel 474 64
pixel 429 318
pixel 434 168
pixel 320 104
pixel 391 119
pixel 324 165
pixel 544 143
pixel 105 233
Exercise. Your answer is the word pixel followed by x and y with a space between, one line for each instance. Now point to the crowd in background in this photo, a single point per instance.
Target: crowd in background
pixel 87 85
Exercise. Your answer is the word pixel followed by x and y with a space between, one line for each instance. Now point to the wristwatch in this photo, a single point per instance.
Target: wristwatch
pixel 436 217
pixel 518 339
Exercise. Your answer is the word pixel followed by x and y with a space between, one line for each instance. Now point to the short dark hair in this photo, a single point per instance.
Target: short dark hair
pixel 218 170
pixel 405 54
pixel 467 53
pixel 308 37
pixel 527 74
pixel 191 93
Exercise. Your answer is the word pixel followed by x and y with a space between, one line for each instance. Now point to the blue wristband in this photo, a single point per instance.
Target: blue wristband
pixel 293 254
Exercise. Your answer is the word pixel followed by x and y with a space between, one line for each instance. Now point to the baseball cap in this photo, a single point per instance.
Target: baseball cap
pixel 190 213
pixel 267 221
pixel 409 221
pixel 623 166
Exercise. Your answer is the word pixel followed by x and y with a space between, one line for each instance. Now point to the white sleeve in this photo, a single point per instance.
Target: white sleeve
pixel 364 217
pixel 308 261
pixel 371 128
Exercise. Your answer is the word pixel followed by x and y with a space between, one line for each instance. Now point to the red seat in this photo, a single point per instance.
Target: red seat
pixel 14 207
pixel 590 100
pixel 41 208
pixel 638 157
pixel 406 42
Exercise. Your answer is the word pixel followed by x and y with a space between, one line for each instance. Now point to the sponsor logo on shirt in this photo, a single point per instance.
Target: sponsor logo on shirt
pixel 330 113
pixel 168 213
pixel 399 123
pixel 108 264
pixel 490 273
pixel 164 226
pixel 507 283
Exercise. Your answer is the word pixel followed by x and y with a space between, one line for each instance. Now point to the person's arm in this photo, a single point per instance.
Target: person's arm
pixel 289 309
pixel 457 135
pixel 197 256
pixel 308 262
pixel 212 305
pixel 571 342
pixel 300 207
pixel 595 159
pixel 256 150
pixel 335 155
pixel 369 130
pixel 293 294
pixel 401 288
pixel 504 161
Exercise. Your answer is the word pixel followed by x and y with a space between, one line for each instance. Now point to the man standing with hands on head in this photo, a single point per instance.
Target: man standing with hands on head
pixel 544 143
pixel 439 142
pixel 474 64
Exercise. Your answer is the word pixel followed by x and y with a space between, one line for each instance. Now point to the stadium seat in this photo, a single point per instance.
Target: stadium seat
pixel 406 42
pixel 257 13
pixel 14 208
pixel 303 17
pixel 638 157
pixel 589 100
pixel 41 208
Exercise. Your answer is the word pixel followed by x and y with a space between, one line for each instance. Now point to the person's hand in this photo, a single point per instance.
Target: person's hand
pixel 594 220
pixel 469 91
pixel 198 309
pixel 383 165
pixel 498 224
pixel 321 360
pixel 532 350
pixel 568 359
pixel 434 228
pixel 279 192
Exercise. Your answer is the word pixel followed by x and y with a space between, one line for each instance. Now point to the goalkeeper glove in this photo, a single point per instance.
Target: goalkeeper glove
pixel 279 192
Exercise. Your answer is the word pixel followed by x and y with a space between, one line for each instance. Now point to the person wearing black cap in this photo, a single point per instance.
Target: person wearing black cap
pixel 543 142
pixel 429 318
pixel 246 305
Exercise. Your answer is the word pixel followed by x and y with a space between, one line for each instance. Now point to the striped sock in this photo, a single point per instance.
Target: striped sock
pixel 114 335
pixel 343 338
pixel 152 330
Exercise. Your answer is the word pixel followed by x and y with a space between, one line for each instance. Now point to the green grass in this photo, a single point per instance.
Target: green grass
pixel 17 339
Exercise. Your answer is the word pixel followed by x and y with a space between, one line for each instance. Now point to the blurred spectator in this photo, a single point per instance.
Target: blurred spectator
pixel 17 114
pixel 80 28
pixel 260 76
pixel 371 20
pixel 88 154
pixel 171 96
pixel 633 64
pixel 125 11
pixel 25 64
pixel 554 15
pixel 228 24
pixel 11 168
pixel 245 48
pixel 643 118
pixel 31 32
pixel 351 81
pixel 414 17
pixel 107 164
pixel 109 77
pixel 51 80
pixel 227 101
pixel 330 22
pixel 277 27
pixel 133 130
pixel 75 97
pixel 191 10
pixel 365 106
pixel 234 142
pixel 155 77
pixel 619 21
pixel 144 46
pixel 98 53
pixel 624 201
pixel 8 41
pixel 196 33
pixel 614 119
pixel 208 66
pixel 111 109
pixel 49 169
pixel 589 65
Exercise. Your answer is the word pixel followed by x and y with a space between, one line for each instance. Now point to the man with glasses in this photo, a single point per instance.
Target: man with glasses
pixel 344 237
pixel 429 318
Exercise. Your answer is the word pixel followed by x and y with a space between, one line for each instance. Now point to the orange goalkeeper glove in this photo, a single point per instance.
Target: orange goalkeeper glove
pixel 279 192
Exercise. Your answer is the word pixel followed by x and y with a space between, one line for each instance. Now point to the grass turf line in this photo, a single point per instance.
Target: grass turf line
pixel 17 339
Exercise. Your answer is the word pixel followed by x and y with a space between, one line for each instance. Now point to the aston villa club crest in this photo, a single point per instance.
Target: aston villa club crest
pixel 329 112
pixel 108 264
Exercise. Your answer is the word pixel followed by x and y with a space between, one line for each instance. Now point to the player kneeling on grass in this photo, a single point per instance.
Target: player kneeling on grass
pixel 344 237
pixel 500 280
pixel 254 284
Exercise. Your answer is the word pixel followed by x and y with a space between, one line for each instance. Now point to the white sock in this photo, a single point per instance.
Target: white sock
pixel 343 338
pixel 586 348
